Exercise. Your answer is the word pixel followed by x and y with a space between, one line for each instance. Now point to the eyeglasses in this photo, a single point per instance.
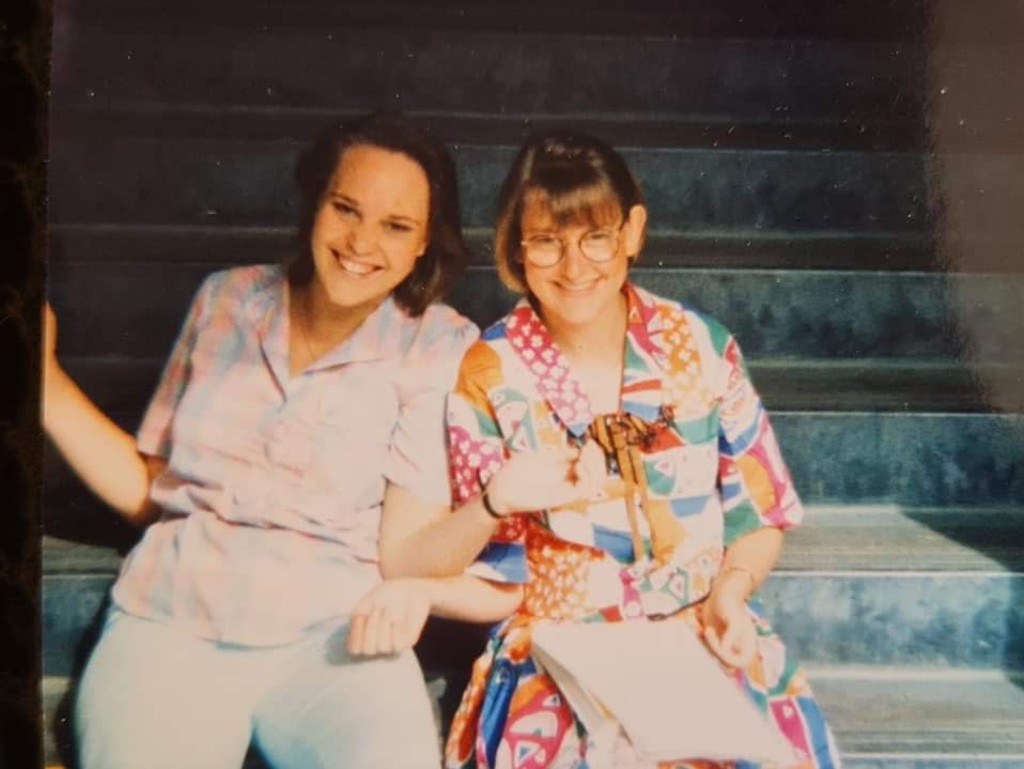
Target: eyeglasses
pixel 597 246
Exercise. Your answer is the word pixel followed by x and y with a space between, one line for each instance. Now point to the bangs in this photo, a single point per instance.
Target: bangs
pixel 593 204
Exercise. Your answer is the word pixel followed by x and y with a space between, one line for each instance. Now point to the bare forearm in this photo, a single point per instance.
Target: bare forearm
pixel 103 455
pixel 471 599
pixel 442 546
pixel 750 559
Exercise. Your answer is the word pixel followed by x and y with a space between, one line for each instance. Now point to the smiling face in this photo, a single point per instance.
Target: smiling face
pixel 370 228
pixel 576 292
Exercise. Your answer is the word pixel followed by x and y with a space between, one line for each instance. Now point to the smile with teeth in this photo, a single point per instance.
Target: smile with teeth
pixel 353 267
pixel 577 288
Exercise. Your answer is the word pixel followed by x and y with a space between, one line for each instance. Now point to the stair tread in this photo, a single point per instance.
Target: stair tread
pixel 941 712
pixel 891 539
pixel 875 710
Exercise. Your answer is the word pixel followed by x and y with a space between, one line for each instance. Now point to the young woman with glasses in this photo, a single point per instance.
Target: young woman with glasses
pixel 682 496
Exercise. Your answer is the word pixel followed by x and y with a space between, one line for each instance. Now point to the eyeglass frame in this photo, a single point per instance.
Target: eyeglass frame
pixel 525 246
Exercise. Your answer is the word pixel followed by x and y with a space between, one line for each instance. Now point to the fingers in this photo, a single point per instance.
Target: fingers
pixel 548 478
pixel 356 634
pixel 388 620
pixel 736 645
pixel 592 471
pixel 372 633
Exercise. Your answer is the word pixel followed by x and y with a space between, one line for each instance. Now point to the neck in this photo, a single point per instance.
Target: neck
pixel 597 341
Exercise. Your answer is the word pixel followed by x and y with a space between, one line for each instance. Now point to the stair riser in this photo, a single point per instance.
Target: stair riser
pixel 963 621
pixel 180 181
pixel 892 459
pixel 896 619
pixel 906 459
pixel 338 67
pixel 772 313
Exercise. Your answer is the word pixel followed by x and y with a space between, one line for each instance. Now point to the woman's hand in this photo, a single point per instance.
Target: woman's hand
pixel 729 630
pixel 547 478
pixel 390 618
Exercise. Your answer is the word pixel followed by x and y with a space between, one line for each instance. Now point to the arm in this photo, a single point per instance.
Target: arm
pixel 391 617
pixel 759 503
pixel 729 630
pixel 102 454
pixel 419 539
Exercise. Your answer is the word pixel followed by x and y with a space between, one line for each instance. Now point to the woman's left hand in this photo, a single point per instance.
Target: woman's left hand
pixel 729 630
pixel 390 618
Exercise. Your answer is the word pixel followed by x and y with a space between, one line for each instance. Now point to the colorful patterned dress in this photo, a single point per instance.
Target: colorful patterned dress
pixel 702 468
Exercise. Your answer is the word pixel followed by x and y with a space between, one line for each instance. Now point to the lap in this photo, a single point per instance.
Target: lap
pixel 155 696
pixel 325 709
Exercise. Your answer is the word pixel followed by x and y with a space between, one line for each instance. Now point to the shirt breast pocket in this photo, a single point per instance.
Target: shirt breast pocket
pixel 354 432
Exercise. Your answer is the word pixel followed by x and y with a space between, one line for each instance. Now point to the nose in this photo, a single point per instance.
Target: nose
pixel 361 238
pixel 574 263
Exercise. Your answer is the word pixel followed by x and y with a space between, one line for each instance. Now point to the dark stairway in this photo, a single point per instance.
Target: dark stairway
pixel 843 191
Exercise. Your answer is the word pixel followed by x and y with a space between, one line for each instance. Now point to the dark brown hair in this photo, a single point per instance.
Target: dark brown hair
pixel 446 256
pixel 577 177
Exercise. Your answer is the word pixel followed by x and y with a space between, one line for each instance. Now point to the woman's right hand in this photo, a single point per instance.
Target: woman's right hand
pixel 547 478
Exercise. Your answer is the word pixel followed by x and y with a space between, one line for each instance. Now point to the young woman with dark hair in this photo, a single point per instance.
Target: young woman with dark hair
pixel 292 450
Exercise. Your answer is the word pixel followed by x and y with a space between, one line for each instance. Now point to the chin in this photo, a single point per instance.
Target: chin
pixel 356 296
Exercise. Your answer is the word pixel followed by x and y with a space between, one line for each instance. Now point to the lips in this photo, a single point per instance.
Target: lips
pixel 577 288
pixel 354 267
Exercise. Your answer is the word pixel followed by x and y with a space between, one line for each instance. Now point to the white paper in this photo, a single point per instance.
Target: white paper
pixel 662 685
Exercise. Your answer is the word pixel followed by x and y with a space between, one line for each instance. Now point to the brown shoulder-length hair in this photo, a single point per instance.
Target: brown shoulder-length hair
pixel 446 256
pixel 577 177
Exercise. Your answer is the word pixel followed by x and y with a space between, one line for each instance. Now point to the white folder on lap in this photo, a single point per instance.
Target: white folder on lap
pixel 661 685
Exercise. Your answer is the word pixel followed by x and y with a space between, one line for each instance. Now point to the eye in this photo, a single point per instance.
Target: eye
pixel 397 228
pixel 544 242
pixel 345 209
pixel 599 238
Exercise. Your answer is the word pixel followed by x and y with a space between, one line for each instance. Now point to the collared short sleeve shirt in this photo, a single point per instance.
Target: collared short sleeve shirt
pixel 272 494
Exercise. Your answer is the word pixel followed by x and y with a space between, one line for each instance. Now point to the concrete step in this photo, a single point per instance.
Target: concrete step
pixel 872 20
pixel 861 586
pixel 893 718
pixel 895 539
pixel 773 313
pixel 622 128
pixel 913 460
pixel 906 459
pixel 883 718
pixel 125 385
pixel 341 65
pixel 915 587
pixel 226 245
pixel 241 182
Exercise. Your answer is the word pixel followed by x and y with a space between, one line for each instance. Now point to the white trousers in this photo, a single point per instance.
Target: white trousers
pixel 155 696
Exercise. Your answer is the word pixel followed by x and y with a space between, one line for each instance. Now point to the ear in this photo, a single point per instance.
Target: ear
pixel 634 229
